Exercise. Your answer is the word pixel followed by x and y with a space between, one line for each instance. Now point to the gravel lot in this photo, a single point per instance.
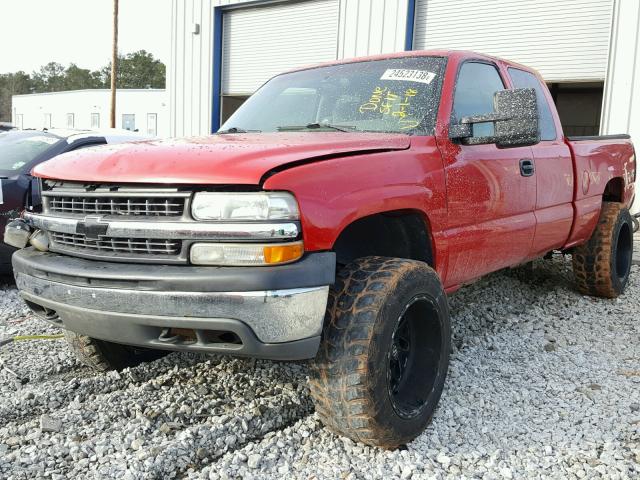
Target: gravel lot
pixel 543 383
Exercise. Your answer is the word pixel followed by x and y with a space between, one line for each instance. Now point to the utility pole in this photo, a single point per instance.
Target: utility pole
pixel 114 64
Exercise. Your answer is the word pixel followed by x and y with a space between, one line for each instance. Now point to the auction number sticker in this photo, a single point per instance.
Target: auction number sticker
pixel 406 75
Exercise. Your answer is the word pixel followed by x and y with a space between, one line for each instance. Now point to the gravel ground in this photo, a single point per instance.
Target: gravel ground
pixel 543 383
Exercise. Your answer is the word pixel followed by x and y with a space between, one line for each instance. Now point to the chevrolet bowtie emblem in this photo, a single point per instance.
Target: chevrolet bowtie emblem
pixel 92 228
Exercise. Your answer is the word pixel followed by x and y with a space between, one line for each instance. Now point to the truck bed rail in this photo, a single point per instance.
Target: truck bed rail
pixel 618 136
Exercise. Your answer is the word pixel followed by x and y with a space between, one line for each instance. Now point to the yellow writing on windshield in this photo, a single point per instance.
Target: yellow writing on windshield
pixel 374 101
pixel 395 104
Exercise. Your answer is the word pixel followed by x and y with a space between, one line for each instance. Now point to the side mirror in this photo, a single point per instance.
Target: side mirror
pixel 515 118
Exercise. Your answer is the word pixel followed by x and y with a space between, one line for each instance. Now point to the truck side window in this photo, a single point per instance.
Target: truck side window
pixel 522 79
pixel 477 82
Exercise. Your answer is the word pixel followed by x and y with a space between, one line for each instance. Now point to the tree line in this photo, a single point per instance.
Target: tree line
pixel 135 70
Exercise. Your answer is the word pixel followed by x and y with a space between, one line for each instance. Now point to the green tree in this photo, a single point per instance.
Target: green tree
pixel 76 78
pixel 50 78
pixel 12 84
pixel 137 70
pixel 99 79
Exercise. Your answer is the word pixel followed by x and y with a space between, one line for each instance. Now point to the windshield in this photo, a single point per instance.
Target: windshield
pixel 17 149
pixel 399 95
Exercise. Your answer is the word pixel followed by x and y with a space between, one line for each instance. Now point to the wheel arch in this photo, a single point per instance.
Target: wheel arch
pixel 614 190
pixel 402 233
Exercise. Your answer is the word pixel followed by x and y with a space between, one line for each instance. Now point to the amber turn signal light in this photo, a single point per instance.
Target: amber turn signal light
pixel 245 254
pixel 283 253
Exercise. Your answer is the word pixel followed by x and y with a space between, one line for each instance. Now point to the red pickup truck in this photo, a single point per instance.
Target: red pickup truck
pixel 327 219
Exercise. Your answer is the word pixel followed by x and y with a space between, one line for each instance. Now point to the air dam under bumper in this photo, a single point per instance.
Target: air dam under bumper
pixel 265 312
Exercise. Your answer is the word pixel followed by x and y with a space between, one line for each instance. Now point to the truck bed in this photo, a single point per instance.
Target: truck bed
pixel 604 169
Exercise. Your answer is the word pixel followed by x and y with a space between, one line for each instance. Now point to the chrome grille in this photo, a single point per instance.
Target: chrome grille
pixel 116 205
pixel 114 245
pixel 136 222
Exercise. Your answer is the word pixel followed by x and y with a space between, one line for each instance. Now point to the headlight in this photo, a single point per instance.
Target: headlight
pixel 245 254
pixel 244 206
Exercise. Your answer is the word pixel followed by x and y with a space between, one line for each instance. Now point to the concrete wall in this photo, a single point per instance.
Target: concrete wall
pixel 36 108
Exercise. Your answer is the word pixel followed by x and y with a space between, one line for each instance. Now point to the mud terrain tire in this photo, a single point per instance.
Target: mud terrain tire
pixel 104 356
pixel 601 266
pixel 384 354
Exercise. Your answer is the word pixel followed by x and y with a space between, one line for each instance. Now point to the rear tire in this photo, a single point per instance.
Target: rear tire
pixel 602 265
pixel 104 356
pixel 384 354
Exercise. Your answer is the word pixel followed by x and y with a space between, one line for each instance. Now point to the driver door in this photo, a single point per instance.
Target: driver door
pixel 491 201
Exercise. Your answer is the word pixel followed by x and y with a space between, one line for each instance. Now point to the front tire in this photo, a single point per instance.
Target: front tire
pixel 384 355
pixel 602 265
pixel 104 356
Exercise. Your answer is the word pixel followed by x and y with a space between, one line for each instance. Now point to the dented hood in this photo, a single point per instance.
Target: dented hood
pixel 215 159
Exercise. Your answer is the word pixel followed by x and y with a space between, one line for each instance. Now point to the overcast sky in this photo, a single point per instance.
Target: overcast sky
pixel 35 32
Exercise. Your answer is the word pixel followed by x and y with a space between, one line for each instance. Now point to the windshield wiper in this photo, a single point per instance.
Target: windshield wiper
pixel 238 130
pixel 317 126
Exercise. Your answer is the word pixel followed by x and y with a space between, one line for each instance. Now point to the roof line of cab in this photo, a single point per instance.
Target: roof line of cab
pixel 452 54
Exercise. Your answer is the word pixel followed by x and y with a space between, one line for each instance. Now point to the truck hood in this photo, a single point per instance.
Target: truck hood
pixel 216 159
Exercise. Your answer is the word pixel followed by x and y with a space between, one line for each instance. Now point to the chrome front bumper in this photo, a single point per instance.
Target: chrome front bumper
pixel 279 324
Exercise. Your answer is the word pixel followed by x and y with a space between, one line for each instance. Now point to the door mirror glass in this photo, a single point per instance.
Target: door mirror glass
pixel 515 118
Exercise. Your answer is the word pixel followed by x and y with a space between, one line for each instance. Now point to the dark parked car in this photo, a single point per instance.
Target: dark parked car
pixel 21 150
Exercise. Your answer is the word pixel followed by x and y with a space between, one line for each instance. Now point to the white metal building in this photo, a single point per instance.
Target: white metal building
pixel 587 50
pixel 144 110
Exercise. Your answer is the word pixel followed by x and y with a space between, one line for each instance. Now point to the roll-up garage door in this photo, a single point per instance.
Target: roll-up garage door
pixel 262 41
pixel 565 40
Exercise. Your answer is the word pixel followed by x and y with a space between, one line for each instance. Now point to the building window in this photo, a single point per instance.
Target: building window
pixel 95 120
pixel 70 120
pixel 152 124
pixel 129 121
pixel 47 120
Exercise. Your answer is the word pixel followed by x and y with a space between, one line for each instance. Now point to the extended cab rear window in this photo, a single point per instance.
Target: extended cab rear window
pixel 399 95
pixel 522 79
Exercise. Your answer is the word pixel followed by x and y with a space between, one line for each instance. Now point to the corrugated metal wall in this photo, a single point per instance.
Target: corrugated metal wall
pixel 566 40
pixel 189 67
pixel 261 42
pixel 369 27
pixel 365 27
pixel 621 105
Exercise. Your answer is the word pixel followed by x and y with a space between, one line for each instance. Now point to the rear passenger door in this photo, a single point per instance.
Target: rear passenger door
pixel 490 202
pixel 553 170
